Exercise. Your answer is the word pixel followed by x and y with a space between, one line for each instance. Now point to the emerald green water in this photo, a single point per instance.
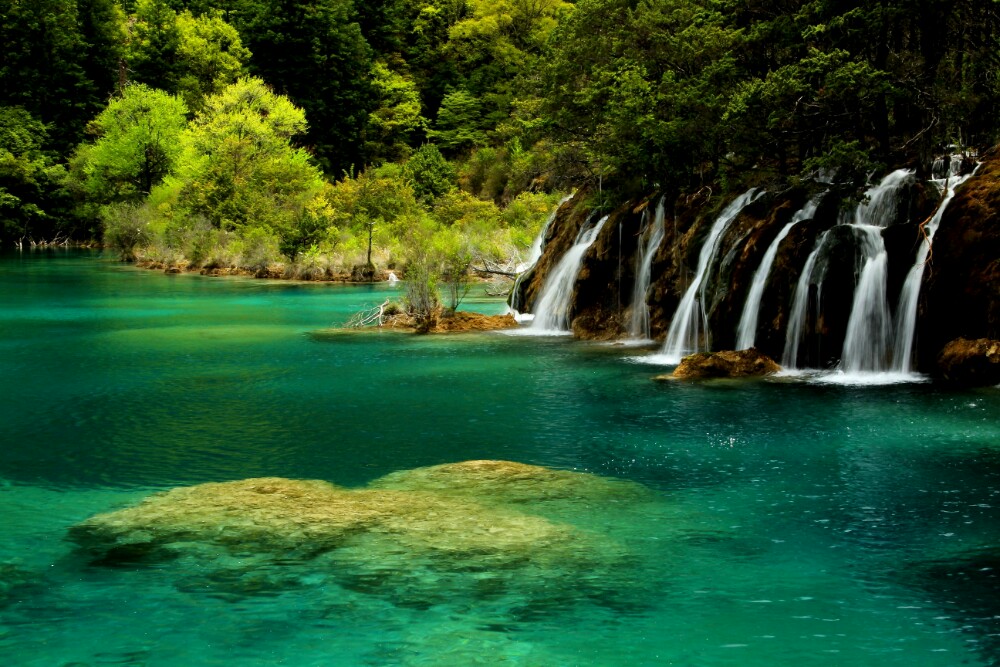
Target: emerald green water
pixel 792 523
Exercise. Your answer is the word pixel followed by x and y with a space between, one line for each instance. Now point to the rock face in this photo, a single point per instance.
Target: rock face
pixel 726 364
pixel 961 296
pixel 413 536
pixel 970 363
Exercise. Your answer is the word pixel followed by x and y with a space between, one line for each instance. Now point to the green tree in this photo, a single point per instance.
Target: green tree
pixel 138 145
pixel 397 118
pixel 58 62
pixel 32 199
pixel 239 169
pixel 193 56
pixel 431 174
pixel 313 52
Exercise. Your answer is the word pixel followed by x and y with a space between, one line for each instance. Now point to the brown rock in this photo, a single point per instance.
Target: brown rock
pixel 726 364
pixel 971 363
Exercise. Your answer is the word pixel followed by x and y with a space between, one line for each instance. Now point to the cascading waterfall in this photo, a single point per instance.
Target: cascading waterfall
pixel 800 303
pixel 747 330
pixel 906 312
pixel 554 300
pixel 690 323
pixel 650 240
pixel 534 253
pixel 869 328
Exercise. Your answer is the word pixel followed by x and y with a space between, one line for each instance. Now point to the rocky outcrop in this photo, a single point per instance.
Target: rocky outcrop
pixel 725 364
pixel 970 363
pixel 961 296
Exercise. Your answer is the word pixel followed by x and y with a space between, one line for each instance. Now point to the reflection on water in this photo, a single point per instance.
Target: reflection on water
pixel 786 522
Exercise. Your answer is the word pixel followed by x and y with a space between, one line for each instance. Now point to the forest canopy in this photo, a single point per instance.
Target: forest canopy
pixel 341 135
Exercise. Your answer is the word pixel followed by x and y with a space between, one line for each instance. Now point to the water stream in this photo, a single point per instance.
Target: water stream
pixel 689 331
pixel 552 307
pixel 906 311
pixel 747 330
pixel 649 242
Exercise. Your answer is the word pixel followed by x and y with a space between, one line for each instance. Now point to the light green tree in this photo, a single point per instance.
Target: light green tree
pixel 239 168
pixel 397 118
pixel 137 145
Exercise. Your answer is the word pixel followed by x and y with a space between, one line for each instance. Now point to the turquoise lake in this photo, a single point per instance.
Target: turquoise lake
pixel 788 523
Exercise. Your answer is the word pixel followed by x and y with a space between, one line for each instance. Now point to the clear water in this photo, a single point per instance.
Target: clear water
pixel 791 523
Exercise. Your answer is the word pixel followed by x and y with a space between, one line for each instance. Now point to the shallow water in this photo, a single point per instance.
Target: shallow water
pixel 792 522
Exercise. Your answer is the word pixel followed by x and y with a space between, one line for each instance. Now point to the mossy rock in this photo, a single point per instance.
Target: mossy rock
pixel 415 537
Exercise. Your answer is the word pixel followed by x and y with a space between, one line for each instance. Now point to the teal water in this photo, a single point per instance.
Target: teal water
pixel 792 523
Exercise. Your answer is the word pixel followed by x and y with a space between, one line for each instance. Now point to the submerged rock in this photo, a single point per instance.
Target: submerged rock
pixel 309 516
pixel 509 482
pixel 726 364
pixel 416 537
pixel 970 362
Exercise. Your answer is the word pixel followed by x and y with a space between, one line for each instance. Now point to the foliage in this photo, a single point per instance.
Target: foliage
pixel 239 168
pixel 430 173
pixel 315 54
pixel 125 230
pixel 59 62
pixel 137 146
pixel 192 56
pixel 31 186
pixel 396 119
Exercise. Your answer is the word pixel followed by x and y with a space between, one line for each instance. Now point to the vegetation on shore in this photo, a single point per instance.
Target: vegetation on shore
pixel 333 137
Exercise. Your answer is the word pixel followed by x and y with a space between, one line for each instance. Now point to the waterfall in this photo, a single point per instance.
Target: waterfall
pixel 556 296
pixel 800 302
pixel 690 322
pixel 650 239
pixel 869 328
pixel 534 253
pixel 906 312
pixel 747 331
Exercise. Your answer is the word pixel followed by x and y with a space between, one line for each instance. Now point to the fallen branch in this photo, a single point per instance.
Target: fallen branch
pixel 367 317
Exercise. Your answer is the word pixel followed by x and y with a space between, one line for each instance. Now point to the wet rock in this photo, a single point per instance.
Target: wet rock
pixel 961 295
pixel 416 537
pixel 510 482
pixel 726 364
pixel 970 362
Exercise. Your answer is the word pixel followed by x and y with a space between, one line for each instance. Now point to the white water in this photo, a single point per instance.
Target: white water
pixel 689 326
pixel 652 236
pixel 747 330
pixel 534 253
pixel 555 298
pixel 906 312
pixel 800 302
pixel 869 328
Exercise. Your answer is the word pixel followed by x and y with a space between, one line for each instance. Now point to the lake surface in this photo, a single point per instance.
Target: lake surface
pixel 788 523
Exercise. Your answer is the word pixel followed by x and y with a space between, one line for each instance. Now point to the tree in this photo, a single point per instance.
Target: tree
pixel 57 62
pixel 239 169
pixel 138 145
pixel 31 186
pixel 396 119
pixel 313 52
pixel 193 56
pixel 430 172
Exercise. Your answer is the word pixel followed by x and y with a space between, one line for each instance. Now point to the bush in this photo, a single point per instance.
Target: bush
pixel 125 230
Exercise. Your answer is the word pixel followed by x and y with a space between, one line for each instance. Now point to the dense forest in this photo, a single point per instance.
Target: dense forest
pixel 331 136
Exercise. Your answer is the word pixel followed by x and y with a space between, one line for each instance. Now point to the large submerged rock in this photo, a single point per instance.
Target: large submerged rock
pixel 726 364
pixel 415 536
pixel 970 363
